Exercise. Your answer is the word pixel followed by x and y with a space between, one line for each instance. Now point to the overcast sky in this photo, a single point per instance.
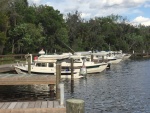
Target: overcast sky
pixel 136 11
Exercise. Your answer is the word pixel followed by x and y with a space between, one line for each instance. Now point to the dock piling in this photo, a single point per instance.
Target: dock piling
pixel 72 76
pixel 61 85
pixel 74 106
pixel 29 64
pixel 58 74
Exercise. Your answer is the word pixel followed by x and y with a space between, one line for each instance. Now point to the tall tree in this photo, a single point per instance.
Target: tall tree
pixel 52 22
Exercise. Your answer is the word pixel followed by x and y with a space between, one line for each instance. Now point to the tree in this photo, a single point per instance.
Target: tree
pixel 52 22
pixel 28 38
pixel 73 22
pixel 3 30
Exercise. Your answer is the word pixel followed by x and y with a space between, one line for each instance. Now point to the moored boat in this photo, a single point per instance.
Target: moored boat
pixel 47 65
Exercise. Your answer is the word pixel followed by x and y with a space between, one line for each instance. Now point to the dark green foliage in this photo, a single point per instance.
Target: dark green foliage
pixel 25 28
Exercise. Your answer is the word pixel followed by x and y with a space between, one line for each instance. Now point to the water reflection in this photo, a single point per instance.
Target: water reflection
pixel 24 93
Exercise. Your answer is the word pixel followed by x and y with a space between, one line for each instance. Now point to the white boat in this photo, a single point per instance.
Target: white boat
pixel 90 66
pixel 113 60
pixel 126 56
pixel 47 65
pixel 109 57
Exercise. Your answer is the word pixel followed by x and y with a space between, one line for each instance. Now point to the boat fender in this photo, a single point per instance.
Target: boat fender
pixel 83 70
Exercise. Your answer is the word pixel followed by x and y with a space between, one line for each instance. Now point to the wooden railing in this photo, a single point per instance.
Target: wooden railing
pixel 13 57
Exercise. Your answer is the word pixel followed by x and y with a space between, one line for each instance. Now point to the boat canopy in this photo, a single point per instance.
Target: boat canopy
pixel 45 61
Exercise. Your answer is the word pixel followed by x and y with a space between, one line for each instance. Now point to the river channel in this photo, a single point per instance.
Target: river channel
pixel 124 88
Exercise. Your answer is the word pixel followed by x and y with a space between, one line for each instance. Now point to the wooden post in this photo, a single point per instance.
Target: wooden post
pixel 51 90
pixel 29 64
pixel 59 73
pixel 102 58
pixel 92 57
pixel 61 94
pixel 72 76
pixel 58 80
pixel 74 106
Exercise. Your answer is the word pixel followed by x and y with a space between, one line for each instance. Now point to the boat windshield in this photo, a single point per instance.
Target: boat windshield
pixel 41 64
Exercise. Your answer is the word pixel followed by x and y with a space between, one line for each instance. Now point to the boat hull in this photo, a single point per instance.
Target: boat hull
pixel 116 61
pixel 64 74
pixel 96 68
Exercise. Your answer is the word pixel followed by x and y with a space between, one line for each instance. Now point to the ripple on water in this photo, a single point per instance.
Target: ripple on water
pixel 125 88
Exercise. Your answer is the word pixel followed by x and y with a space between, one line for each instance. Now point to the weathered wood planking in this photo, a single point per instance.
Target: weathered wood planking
pixel 6 69
pixel 32 107
pixel 25 79
pixel 35 110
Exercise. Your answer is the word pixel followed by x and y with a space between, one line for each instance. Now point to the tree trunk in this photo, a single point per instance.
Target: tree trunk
pixel 13 47
pixel 1 49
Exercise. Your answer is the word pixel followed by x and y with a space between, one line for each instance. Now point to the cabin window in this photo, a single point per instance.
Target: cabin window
pixel 50 65
pixel 41 64
pixel 38 64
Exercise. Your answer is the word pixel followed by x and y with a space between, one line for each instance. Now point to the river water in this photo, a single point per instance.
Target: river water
pixel 124 88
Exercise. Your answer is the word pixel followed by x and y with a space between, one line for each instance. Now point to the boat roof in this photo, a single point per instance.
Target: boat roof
pixel 45 61
pixel 83 53
pixel 53 57
pixel 77 56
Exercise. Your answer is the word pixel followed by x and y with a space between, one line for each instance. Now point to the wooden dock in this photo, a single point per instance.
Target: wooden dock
pixel 6 68
pixel 32 107
pixel 25 79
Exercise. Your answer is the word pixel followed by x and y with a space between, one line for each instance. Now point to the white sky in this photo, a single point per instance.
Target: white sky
pixel 137 11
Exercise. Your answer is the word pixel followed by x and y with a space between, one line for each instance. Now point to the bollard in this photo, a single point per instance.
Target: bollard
pixel 74 106
pixel 61 85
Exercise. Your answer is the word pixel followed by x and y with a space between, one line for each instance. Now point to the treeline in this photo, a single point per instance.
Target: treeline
pixel 28 29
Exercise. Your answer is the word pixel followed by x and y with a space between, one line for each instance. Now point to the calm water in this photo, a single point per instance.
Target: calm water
pixel 125 88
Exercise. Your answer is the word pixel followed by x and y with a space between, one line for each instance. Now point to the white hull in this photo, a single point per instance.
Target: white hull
pixel 97 69
pixel 115 61
pixel 126 56
pixel 76 75
pixel 36 70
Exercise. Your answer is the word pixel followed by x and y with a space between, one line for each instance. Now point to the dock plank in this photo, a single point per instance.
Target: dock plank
pixel 6 69
pixel 44 104
pixel 38 104
pixel 1 104
pixel 31 105
pixel 25 105
pixel 26 79
pixel 33 110
pixel 5 105
pixel 50 104
pixel 12 105
pixel 19 105
pixel 56 104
